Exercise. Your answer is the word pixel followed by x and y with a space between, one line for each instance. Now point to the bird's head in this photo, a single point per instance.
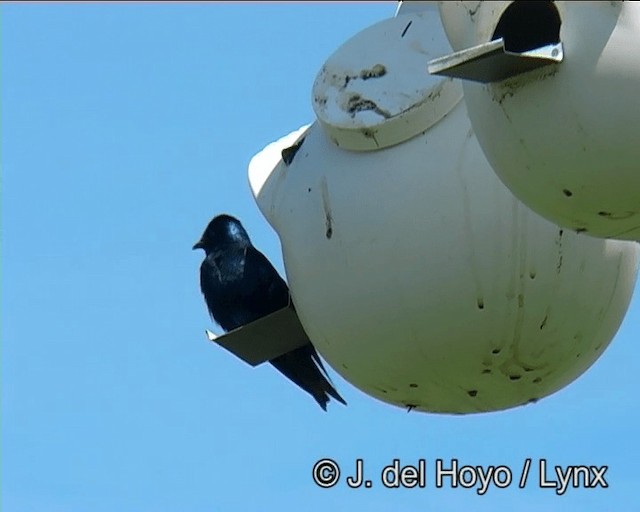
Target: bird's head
pixel 222 230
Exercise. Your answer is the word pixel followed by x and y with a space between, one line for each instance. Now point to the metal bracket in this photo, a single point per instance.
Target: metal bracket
pixel 491 62
pixel 264 339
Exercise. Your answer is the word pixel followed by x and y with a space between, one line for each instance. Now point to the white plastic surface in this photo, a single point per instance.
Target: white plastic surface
pixel 566 139
pixel 469 23
pixel 375 90
pixel 423 281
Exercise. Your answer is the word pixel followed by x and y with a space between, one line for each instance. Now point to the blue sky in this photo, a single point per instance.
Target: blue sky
pixel 125 128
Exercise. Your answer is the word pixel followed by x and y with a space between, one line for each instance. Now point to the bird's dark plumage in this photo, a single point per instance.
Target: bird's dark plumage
pixel 240 285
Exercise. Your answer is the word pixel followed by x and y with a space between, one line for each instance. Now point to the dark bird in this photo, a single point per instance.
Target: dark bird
pixel 240 285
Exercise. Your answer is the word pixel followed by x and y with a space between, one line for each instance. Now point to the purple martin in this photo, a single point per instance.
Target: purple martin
pixel 240 285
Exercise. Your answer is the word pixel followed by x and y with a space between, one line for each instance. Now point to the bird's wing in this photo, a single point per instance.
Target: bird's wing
pixel 262 283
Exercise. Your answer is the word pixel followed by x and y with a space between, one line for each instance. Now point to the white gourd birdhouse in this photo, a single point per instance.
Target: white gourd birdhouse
pixel 415 272
pixel 565 138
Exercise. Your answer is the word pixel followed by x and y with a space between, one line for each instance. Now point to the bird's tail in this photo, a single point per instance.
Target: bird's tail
pixel 303 367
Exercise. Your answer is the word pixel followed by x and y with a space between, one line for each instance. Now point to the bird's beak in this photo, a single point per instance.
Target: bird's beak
pixel 198 245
